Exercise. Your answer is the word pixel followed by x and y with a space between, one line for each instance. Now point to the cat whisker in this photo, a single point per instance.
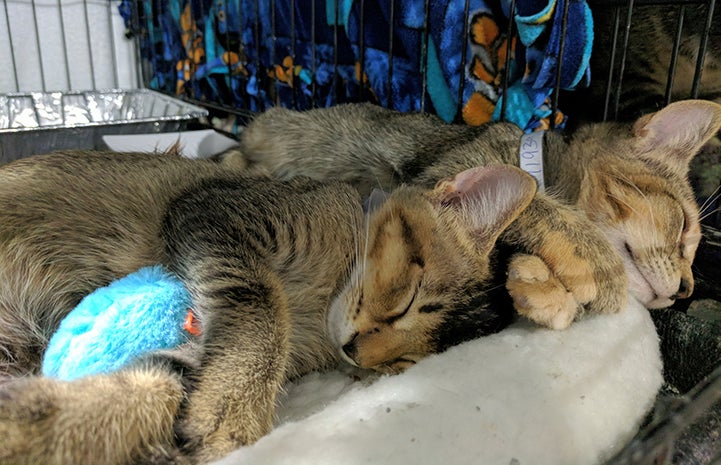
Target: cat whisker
pixel 709 203
pixel 378 182
pixel 626 180
pixel 486 291
pixel 708 214
pixel 710 200
pixel 621 201
pixel 496 287
pixel 365 250
pixel 358 258
pixel 357 231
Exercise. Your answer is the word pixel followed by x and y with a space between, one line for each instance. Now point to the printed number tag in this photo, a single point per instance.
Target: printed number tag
pixel 531 156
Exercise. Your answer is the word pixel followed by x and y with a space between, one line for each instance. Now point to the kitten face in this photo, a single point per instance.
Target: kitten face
pixel 391 312
pixel 662 251
pixel 637 188
pixel 422 282
pixel 656 230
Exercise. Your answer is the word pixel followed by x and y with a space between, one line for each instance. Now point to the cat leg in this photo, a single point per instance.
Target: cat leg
pixel 574 256
pixel 246 345
pixel 118 418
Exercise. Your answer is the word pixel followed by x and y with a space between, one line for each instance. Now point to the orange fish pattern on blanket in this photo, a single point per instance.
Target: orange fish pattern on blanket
pixel 489 45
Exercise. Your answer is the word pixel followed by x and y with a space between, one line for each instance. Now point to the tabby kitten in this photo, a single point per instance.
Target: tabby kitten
pixel 630 180
pixel 286 278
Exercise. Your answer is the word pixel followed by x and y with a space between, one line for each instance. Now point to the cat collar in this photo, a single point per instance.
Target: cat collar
pixel 531 156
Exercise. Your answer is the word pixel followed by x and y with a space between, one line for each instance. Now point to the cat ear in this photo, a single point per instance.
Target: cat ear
pixel 488 199
pixel 681 128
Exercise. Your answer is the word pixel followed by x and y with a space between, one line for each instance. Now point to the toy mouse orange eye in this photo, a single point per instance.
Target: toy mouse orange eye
pixel 191 323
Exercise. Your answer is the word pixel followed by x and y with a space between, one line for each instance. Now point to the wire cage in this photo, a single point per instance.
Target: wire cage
pixel 72 76
pixel 540 65
pixel 443 57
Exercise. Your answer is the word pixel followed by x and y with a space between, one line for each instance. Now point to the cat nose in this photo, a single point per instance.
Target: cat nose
pixel 684 289
pixel 350 348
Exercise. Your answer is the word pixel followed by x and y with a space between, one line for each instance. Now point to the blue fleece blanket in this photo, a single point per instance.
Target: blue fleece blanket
pixel 450 58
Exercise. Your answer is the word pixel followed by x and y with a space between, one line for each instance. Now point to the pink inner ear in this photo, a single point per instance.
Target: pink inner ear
pixel 671 122
pixel 684 125
pixel 489 198
pixel 469 182
pixel 465 181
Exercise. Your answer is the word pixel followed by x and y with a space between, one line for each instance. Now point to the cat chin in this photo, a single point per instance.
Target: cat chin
pixel 660 302
pixel 643 292
pixel 638 285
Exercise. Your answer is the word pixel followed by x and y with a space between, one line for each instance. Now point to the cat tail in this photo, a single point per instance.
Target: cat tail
pixel 118 418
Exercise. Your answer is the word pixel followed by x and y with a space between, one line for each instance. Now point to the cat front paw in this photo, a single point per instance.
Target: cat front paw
pixel 538 295
pixel 575 252
pixel 209 432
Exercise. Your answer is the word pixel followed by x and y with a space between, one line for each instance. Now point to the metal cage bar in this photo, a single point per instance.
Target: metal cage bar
pixel 462 77
pixel 391 28
pixel 292 52
pixel 64 42
pixel 44 53
pixel 624 53
pixel 612 64
pixel 336 17
pixel 507 72
pixel 424 54
pixel 12 47
pixel 362 51
pixel 702 50
pixel 674 54
pixel 313 56
pixel 554 97
pixel 41 68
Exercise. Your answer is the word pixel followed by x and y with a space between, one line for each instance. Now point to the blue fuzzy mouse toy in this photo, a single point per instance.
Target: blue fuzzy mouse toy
pixel 144 311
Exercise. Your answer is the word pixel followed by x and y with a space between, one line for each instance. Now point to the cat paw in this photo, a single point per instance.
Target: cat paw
pixel 538 295
pixel 206 435
pixel 201 445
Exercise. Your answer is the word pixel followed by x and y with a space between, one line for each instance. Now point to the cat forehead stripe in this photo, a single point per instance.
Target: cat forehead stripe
pixel 414 245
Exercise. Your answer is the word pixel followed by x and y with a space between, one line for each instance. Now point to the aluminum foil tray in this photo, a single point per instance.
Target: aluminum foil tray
pixel 40 122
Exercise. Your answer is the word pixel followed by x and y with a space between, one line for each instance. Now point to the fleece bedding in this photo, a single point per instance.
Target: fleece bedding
pixel 525 396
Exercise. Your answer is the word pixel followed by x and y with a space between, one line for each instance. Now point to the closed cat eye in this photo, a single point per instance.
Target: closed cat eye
pixel 683 230
pixel 395 317
pixel 682 233
pixel 628 249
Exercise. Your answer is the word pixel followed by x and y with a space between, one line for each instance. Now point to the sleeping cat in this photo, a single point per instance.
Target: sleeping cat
pixel 631 180
pixel 286 278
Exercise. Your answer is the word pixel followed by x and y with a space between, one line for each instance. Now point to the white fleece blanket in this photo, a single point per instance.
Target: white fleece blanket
pixel 525 396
